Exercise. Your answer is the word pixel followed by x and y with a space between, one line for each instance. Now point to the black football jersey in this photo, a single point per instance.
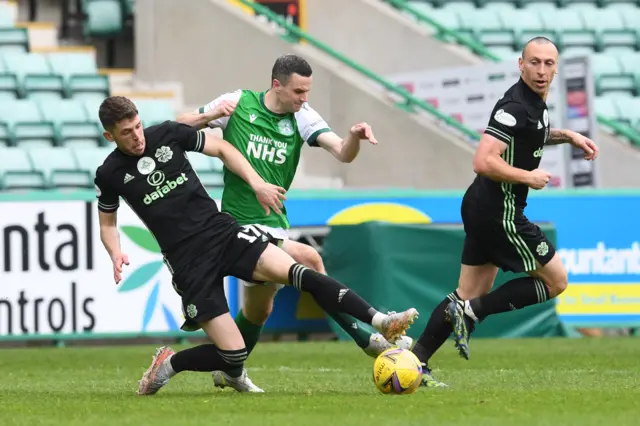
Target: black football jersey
pixel 160 185
pixel 521 120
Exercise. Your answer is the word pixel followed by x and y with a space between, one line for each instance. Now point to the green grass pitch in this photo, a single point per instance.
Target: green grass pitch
pixel 506 382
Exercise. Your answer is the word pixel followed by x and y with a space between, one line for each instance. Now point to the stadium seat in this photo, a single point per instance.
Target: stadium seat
pixel 629 110
pixel 80 74
pixel 35 77
pixel 207 171
pixel 486 26
pixel 89 159
pixel 570 28
pixel 17 172
pixel 8 84
pixel 525 25
pixel 14 40
pixel 610 27
pixel 59 168
pixel 606 106
pixel 104 17
pixel 22 123
pixel 72 123
pixel 609 75
pixel 154 111
pixel 7 19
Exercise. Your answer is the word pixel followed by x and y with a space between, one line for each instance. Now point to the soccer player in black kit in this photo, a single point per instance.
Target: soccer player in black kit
pixel 498 234
pixel 150 170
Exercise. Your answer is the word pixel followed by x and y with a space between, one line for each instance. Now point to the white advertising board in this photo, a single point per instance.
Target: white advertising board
pixel 56 277
pixel 469 93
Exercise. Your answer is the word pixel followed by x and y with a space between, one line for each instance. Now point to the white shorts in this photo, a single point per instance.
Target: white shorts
pixel 279 233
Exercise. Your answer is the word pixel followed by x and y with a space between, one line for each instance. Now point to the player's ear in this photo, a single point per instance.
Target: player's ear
pixel 108 136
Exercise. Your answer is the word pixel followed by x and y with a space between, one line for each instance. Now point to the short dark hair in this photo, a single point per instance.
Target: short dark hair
pixel 289 64
pixel 536 40
pixel 114 109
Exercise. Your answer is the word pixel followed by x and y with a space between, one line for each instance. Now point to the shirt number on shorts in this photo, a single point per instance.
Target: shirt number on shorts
pixel 249 233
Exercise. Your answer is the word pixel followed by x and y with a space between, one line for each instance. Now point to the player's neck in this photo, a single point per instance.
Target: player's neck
pixel 272 104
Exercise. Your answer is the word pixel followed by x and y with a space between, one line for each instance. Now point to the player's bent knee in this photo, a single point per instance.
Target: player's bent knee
pixel 559 284
pixel 313 260
pixel 234 358
pixel 554 275
pixel 305 254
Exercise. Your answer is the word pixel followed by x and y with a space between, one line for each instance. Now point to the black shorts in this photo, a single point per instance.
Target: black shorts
pixel 223 249
pixel 510 242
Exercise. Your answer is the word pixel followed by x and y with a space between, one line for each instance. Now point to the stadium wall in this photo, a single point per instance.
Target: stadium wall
pixel 57 279
pixel 398 43
pixel 225 49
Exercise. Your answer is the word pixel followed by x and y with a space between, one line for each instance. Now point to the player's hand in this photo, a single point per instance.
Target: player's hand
pixel 270 197
pixel 538 178
pixel 587 145
pixel 224 109
pixel 119 260
pixel 363 131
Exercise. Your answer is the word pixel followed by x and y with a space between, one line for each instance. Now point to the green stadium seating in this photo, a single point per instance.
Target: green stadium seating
pixel 14 40
pixel 34 75
pixel 153 111
pixel 104 17
pixel 17 171
pixel 606 30
pixel 80 74
pixel 89 159
pixel 209 172
pixel 22 123
pixel 60 168
pixel 72 123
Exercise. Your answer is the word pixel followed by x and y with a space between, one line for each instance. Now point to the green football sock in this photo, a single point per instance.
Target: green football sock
pixel 250 331
pixel 359 331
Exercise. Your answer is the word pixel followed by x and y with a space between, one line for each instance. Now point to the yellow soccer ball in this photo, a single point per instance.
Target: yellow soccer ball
pixel 397 371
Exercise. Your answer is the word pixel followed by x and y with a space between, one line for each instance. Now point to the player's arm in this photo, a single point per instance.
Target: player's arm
pixel 109 234
pixel 190 139
pixel 316 132
pixel 345 149
pixel 488 162
pixel 559 136
pixel 214 114
pixel 270 196
pixel 108 203
pixel 499 135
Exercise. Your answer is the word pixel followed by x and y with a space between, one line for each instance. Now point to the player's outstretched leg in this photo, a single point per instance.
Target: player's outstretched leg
pixel 542 284
pixel 368 339
pixel 208 357
pixel 277 266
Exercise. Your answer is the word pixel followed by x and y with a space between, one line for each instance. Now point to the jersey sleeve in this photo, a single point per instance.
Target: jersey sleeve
pixel 220 122
pixel 189 138
pixel 108 199
pixel 310 124
pixel 507 121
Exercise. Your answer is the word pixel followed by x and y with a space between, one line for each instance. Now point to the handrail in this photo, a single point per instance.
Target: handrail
pixel 481 50
pixel 410 100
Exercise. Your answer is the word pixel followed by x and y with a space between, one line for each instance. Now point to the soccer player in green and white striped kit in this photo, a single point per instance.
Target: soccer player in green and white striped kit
pixel 270 128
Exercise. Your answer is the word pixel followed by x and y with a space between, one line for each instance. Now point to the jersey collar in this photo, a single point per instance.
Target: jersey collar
pixel 265 106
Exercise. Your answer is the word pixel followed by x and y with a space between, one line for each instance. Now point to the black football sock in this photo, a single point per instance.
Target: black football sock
pixel 436 332
pixel 209 358
pixel 329 294
pixel 512 295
